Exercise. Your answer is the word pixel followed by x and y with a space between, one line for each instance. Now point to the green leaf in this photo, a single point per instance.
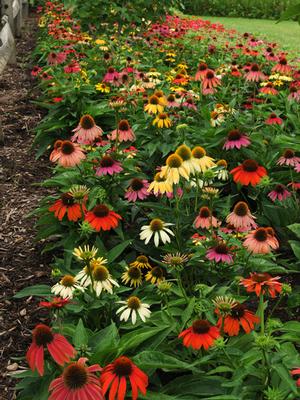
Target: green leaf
pixel 117 250
pixel 104 343
pixel 35 290
pixel 80 337
pixel 187 313
pixel 135 338
pixel 157 359
pixel 295 247
pixel 285 376
pixel 295 228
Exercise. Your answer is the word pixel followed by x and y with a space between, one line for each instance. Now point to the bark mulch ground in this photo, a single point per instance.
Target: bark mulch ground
pixel 21 262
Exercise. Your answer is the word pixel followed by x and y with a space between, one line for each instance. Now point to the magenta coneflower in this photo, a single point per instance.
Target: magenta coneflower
pixel 282 67
pixel 236 139
pixel 108 166
pixel 124 133
pixel 111 75
pixel 273 120
pixel 86 131
pixel 205 219
pixel 220 253
pixel 241 218
pixel 137 190
pixel 288 158
pixel 279 193
pixel 254 74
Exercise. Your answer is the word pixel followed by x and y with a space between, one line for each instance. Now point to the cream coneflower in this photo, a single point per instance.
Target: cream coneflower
pixel 175 260
pixel 155 275
pixel 86 131
pixel 141 262
pixel 173 169
pixel 205 219
pixel 260 241
pixel 133 276
pixel 203 161
pixel 67 154
pixel 189 162
pixel 162 120
pixel 154 106
pixel 133 307
pixel 159 230
pixel 222 172
pixel 85 253
pixel 66 287
pixel 241 217
pixel 103 280
pixel 160 185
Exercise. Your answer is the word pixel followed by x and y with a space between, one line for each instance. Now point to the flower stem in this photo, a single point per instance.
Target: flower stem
pixel 262 314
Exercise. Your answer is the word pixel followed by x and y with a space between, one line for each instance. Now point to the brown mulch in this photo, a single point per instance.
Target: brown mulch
pixel 21 262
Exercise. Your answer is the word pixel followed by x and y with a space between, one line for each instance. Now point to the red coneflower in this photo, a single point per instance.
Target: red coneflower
pixel 282 67
pixel 241 218
pixel 200 334
pixel 102 218
pixel 66 204
pixel 72 68
pixel 36 70
pixel 56 302
pixel 273 120
pixel 269 89
pixel 279 193
pixel 108 166
pixel 77 382
pixel 58 346
pixel 124 133
pixel 205 219
pixel 249 172
pixel 87 130
pixel 262 283
pixel 116 375
pixel 296 372
pixel 239 317
pixel 236 139
pixel 289 158
pixel 67 154
pixel 254 74
pixel 260 241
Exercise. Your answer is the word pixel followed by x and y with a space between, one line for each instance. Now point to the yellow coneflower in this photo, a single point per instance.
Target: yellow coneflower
pixel 173 169
pixel 161 97
pixel 154 106
pixel 160 185
pixel 204 162
pixel 133 276
pixel 189 162
pixel 155 275
pixel 141 262
pixel 162 121
pixel 102 87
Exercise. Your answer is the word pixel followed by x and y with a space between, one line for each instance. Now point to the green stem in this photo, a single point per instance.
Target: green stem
pixel 262 314
pixel 181 287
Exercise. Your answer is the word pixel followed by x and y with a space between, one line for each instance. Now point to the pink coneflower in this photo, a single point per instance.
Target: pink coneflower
pixel 260 241
pixel 72 68
pixel 210 82
pixel 56 58
pixel 57 99
pixel 273 120
pixel 58 346
pixel 255 75
pixel 77 382
pixel 288 158
pixel 205 219
pixel 294 94
pixel 236 139
pixel 254 42
pixel 66 153
pixel 86 131
pixel 282 67
pixel 201 72
pixel 111 75
pixel 137 190
pixel 272 238
pixel 124 133
pixel 36 70
pixel 271 56
pixel 241 218
pixel 279 193
pixel 220 253
pixel 297 167
pixel 189 103
pixel 171 99
pixel 269 89
pixel 108 166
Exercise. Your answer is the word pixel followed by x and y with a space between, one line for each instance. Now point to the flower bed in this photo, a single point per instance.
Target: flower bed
pixel 174 228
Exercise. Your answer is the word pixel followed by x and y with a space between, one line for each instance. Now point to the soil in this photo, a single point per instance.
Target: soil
pixel 21 262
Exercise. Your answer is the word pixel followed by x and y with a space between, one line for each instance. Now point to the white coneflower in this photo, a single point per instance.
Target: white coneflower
pixel 158 229
pixel 66 287
pixel 133 307
pixel 103 280
pixel 84 276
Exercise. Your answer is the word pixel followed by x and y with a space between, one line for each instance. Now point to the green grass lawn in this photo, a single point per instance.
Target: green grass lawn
pixel 286 33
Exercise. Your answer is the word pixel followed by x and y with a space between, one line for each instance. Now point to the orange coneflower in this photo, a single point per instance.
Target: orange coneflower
pixel 238 317
pixel 102 218
pixel 260 241
pixel 115 376
pixel 260 283
pixel 249 172
pixel 66 153
pixel 200 334
pixel 66 204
